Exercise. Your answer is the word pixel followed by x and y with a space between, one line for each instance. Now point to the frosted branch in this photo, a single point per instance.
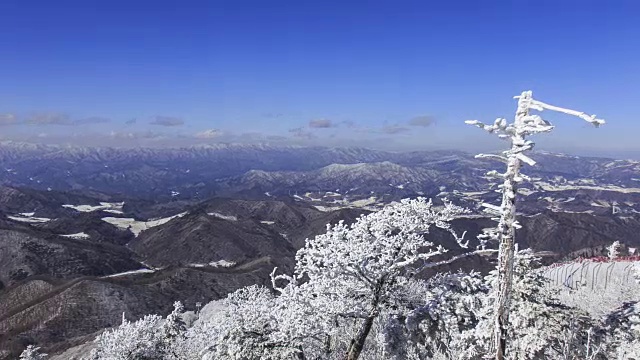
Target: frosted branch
pixel 492 207
pixel 539 105
pixel 275 278
pixel 524 158
pixel 456 258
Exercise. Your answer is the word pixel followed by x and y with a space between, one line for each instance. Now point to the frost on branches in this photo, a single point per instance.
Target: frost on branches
pixel 525 124
pixel 151 337
pixel 623 326
pixel 436 313
pixel 353 293
pixel 540 326
pixel 249 325
pixel 349 274
pixel 32 353
pixel 613 251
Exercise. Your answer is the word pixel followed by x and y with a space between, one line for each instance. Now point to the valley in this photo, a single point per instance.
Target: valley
pixel 87 234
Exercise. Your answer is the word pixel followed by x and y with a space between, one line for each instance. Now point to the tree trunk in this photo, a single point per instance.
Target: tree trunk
pixel 300 354
pixel 505 263
pixel 357 344
pixel 506 230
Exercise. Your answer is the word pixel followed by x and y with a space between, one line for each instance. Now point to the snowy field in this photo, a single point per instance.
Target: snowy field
pixel 135 226
pixel 596 287
pixel 114 208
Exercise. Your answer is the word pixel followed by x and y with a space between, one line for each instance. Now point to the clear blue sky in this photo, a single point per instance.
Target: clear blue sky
pixel 263 70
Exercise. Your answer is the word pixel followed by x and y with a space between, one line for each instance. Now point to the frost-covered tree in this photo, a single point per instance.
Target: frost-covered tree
pixel 436 314
pixel 613 251
pixel 252 323
pixel 524 125
pixel 352 271
pixel 354 292
pixel 151 337
pixel 623 325
pixel 32 353
pixel 131 340
pixel 540 326
pixel 247 325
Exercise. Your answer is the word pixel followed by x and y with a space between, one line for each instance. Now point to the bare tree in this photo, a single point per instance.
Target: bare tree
pixel 525 124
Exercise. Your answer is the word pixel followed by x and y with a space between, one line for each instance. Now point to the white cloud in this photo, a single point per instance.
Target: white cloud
pixel 208 134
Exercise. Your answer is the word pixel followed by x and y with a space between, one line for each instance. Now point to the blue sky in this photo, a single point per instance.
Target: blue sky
pixel 315 72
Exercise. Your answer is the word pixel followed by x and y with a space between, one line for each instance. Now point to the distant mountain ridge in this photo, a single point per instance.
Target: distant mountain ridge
pixel 237 169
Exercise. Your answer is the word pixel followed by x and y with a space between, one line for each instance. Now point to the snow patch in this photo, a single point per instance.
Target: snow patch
pixel 551 187
pixel 136 226
pixel 222 263
pixel 112 211
pixel 327 208
pixel 77 236
pixel 28 219
pixel 219 263
pixel 525 191
pixel 115 208
pixel 223 217
pixel 139 271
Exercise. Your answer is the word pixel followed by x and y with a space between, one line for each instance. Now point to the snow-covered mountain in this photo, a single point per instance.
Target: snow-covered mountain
pixel 89 233
pixel 253 170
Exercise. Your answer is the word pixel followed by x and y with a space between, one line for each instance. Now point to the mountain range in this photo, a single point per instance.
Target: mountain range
pixel 87 234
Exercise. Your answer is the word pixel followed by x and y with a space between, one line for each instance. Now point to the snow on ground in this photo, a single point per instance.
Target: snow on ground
pixel 28 219
pixel 222 263
pixel 327 208
pixel 473 193
pixel 115 208
pixel 139 271
pixel 525 191
pixel 77 236
pixel 136 226
pixel 223 217
pixel 219 263
pixel 551 187
pixel 310 197
pixel 114 211
pixel 576 212
pixel 596 287
pixel 367 204
pixel 364 202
